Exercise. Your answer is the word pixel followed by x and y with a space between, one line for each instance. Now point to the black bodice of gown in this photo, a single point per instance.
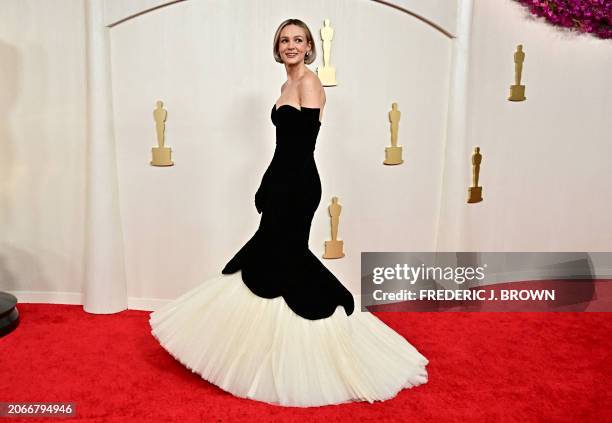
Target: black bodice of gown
pixel 276 261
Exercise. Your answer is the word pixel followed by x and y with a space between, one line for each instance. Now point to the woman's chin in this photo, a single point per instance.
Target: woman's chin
pixel 292 61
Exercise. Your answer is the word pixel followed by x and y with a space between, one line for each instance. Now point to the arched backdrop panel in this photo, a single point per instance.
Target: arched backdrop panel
pixel 211 63
pixel 441 14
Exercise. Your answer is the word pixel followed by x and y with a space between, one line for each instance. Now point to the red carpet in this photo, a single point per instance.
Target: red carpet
pixel 494 367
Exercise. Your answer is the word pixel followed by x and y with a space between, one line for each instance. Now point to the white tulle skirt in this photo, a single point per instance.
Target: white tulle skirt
pixel 260 349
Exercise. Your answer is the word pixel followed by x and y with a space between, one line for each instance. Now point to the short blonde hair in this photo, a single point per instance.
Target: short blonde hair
pixel 313 52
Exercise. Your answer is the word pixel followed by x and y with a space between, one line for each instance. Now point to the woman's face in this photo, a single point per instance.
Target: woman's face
pixel 292 44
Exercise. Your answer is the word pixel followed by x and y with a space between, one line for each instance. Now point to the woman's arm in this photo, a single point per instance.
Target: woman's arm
pixel 311 92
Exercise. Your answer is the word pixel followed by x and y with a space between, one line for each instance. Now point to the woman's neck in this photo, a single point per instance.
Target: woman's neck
pixel 295 72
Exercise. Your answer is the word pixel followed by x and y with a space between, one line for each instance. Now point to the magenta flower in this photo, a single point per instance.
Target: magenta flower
pixel 592 16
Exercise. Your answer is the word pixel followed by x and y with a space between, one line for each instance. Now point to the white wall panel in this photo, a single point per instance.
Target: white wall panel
pixel 546 171
pixel 211 62
pixel 42 144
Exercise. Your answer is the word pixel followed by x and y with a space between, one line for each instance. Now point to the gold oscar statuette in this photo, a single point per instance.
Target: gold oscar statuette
pixel 475 191
pixel 333 248
pixel 327 73
pixel 393 154
pixel 517 91
pixel 161 154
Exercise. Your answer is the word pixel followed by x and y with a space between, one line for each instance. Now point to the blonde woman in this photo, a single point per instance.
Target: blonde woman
pixel 277 326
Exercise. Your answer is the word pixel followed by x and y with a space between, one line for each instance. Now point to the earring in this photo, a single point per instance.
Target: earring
pixel 307 53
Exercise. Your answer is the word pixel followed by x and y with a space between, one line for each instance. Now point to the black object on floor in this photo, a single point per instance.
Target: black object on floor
pixel 9 315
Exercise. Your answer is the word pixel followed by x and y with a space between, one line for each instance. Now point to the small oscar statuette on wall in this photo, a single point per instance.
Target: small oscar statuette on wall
pixel 161 154
pixel 393 154
pixel 517 91
pixel 475 191
pixel 327 73
pixel 333 248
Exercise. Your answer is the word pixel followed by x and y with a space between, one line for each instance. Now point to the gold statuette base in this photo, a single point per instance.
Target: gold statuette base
pixel 162 156
pixel 327 75
pixel 517 93
pixel 474 195
pixel 333 249
pixel 393 155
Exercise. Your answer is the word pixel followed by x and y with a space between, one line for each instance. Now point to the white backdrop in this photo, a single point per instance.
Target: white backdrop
pixel 219 83
pixel 42 139
pixel 210 62
pixel 546 171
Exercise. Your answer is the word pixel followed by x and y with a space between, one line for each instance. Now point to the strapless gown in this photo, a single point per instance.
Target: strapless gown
pixel 276 325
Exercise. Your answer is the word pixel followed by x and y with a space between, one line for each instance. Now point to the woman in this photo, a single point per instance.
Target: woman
pixel 276 325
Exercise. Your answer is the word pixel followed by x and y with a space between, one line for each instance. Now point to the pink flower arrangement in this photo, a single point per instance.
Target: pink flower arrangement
pixel 592 16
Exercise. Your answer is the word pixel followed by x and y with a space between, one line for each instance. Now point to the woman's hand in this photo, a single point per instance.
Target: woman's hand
pixel 259 200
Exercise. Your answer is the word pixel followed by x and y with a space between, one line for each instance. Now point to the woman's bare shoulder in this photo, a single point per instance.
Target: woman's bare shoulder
pixel 310 80
pixel 311 91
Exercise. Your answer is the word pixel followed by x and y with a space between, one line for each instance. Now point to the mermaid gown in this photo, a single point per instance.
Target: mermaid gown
pixel 276 325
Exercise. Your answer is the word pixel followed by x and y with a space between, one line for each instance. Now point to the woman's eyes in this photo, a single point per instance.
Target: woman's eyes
pixel 285 40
